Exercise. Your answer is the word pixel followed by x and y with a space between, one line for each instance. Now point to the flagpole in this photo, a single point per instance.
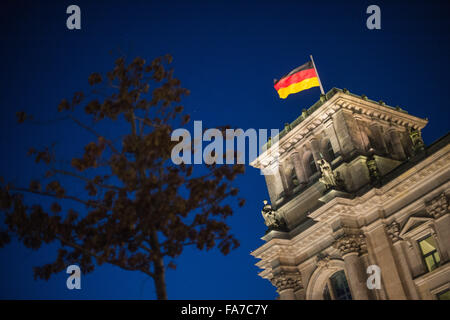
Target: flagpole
pixel 318 78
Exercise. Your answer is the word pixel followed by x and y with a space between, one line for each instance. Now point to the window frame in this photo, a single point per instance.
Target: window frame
pixel 331 288
pixel 440 290
pixel 419 229
pixel 426 255
pixel 442 293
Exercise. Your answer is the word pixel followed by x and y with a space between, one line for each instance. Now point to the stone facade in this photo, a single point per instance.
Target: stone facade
pixel 391 209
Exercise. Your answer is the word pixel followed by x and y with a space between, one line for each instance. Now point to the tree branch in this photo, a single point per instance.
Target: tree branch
pixel 121 265
pixel 108 142
pixel 68 173
pixel 48 194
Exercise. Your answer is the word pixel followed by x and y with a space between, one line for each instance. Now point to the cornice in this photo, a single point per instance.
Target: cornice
pixel 321 115
pixel 379 111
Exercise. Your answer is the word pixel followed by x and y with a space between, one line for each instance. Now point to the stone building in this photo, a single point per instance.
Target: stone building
pixel 354 187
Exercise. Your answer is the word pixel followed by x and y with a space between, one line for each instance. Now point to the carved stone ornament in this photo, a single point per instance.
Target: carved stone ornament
pixel 393 231
pixel 350 243
pixel 374 173
pixel 438 206
pixel 272 219
pixel 287 280
pixel 362 244
pixel 323 260
pixel 417 141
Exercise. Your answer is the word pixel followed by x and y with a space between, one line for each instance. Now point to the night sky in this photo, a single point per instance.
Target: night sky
pixel 227 53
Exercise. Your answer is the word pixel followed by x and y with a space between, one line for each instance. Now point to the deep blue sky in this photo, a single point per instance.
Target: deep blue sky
pixel 227 53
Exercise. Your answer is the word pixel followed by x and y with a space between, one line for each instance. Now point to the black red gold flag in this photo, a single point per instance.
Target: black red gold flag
pixel 299 79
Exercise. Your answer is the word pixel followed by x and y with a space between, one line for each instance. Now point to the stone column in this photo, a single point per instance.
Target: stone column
pixel 332 135
pixel 350 247
pixel 284 179
pixel 343 134
pixel 363 138
pixel 383 253
pixel 315 150
pixel 287 283
pixel 393 231
pixel 376 130
pixel 274 185
pixel 365 261
pixel 396 143
pixel 298 166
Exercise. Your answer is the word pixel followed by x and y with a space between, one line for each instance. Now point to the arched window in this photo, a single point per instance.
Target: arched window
pixel 330 152
pixel 312 164
pixel 337 287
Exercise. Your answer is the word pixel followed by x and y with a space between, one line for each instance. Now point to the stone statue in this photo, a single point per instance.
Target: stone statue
pixel 322 260
pixel 374 173
pixel 267 214
pixel 271 217
pixel 417 141
pixel 329 178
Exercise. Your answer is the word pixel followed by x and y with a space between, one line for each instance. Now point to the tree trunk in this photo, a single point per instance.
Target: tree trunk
pixel 160 280
pixel 159 270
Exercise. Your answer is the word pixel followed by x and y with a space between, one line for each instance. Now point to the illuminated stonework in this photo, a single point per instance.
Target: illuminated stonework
pixel 393 193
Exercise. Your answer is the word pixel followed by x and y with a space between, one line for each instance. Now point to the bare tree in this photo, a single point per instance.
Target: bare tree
pixel 140 210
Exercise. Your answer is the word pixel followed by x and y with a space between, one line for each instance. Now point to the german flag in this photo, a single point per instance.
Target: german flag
pixel 299 79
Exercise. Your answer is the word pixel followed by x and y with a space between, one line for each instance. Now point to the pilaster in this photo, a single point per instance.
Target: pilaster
pixel 287 283
pixel 351 246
